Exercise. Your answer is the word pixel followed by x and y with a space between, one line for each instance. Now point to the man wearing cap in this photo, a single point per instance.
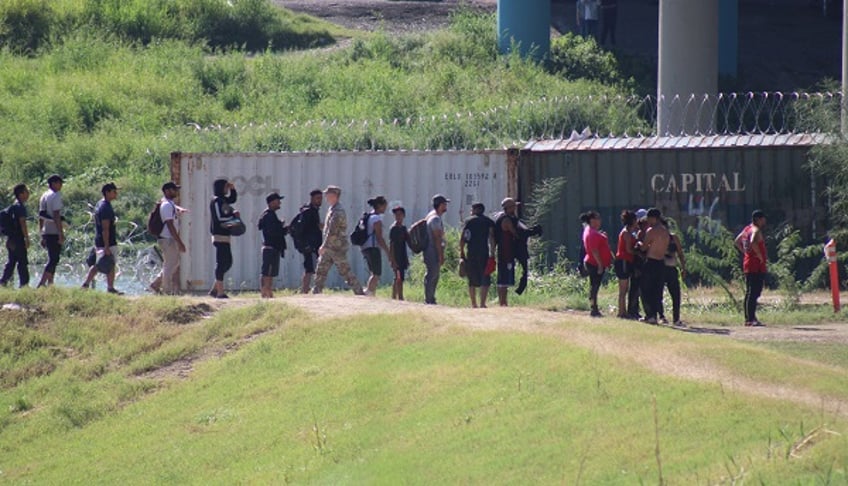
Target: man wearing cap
pixel 169 239
pixel 334 248
pixel 479 236
pixel 105 241
pixel 506 238
pixel 307 236
pixel 434 253
pixel 752 244
pixel 50 221
pixel 273 244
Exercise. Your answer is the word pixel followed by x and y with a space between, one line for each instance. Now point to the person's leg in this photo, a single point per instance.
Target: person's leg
pixel 749 282
pixel 401 278
pixel 633 295
pixel 325 261
pixel 10 264
pixel 484 296
pixel 89 277
pixel 756 291
pixel 431 276
pixel 623 287
pixel 170 263
pixel 310 260
pixel 373 259
pixel 347 273
pixel 51 243
pixel 472 294
pixel 672 281
pixel 23 266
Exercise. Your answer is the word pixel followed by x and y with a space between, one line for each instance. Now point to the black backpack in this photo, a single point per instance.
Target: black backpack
pixel 297 230
pixel 155 225
pixel 7 224
pixel 360 234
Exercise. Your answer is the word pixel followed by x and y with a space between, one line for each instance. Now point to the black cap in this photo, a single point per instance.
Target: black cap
pixel 439 199
pixel 170 185
pixel 479 207
pixel 654 213
pixel 54 178
pixel 399 208
pixel 273 197
pixel 108 187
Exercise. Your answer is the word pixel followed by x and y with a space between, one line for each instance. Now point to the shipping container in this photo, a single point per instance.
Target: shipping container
pixel 409 178
pixel 701 182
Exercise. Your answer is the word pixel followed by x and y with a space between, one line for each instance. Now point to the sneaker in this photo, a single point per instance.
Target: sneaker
pixel 595 313
pixel 83 286
pixel 679 324
pixel 213 293
pixel 649 320
pixel 359 292
pixel 114 291
pixel 222 296
pixel 757 324
pixel 663 320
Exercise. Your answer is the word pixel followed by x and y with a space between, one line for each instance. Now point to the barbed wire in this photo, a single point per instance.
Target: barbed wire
pixel 517 123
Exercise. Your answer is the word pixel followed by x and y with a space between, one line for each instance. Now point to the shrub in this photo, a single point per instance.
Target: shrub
pixel 25 25
pixel 576 57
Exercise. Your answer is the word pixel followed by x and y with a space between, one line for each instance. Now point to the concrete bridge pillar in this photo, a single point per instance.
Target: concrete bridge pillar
pixel 526 23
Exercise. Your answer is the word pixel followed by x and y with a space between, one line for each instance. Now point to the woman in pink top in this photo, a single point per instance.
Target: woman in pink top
pixel 598 255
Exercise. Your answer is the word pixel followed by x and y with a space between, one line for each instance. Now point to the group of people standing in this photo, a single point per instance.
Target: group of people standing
pixel 649 258
pixel 597 19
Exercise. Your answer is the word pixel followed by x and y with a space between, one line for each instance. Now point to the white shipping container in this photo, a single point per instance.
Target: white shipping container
pixel 406 178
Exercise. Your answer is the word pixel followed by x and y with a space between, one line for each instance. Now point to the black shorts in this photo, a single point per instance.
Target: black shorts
pixel 270 262
pixel 623 269
pixel 400 274
pixel 374 260
pixel 309 261
pixel 475 270
pixel 506 273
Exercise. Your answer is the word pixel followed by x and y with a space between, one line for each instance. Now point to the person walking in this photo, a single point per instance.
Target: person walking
pixel 17 239
pixel 588 14
pixel 273 244
pixel 624 258
pixel 375 242
pixel 52 230
pixel 434 253
pixel 598 256
pixel 506 239
pixel 675 267
pixel 225 196
pixel 478 234
pixel 398 242
pixel 655 246
pixel 752 244
pixel 170 242
pixel 105 240
pixel 609 20
pixel 306 233
pixel 333 249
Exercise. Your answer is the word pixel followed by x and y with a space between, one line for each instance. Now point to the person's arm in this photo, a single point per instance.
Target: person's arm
pixel 233 195
pixel 438 236
pixel 756 237
pixel 57 218
pixel 492 242
pixel 739 242
pixel 107 228
pixel 462 244
pixel 381 242
pixel 629 243
pixel 24 230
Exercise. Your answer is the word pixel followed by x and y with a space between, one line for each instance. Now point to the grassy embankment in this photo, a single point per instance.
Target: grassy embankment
pixel 406 398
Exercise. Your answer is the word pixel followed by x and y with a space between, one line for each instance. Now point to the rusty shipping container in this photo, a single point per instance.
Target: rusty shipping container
pixel 407 178
pixel 699 181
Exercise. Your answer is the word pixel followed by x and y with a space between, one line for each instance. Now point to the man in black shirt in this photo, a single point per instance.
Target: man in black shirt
pixel 105 240
pixel 273 244
pixel 17 241
pixel 311 237
pixel 478 236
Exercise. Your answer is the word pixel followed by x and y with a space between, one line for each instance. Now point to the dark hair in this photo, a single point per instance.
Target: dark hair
pixel 376 202
pixel 654 213
pixel 628 217
pixel 757 215
pixel 315 192
pixel 589 216
pixel 219 187
pixel 20 189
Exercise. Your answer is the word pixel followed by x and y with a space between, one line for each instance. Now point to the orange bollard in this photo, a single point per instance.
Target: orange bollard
pixel 830 254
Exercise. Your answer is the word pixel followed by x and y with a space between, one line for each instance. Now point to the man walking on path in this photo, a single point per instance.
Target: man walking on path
pixel 310 237
pixel 273 244
pixel 655 246
pixel 434 253
pixel 506 238
pixel 334 248
pixel 17 241
pixel 105 240
pixel 169 239
pixel 52 232
pixel 478 235
pixel 752 244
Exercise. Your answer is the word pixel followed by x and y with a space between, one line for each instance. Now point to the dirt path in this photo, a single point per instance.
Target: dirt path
pixel 576 328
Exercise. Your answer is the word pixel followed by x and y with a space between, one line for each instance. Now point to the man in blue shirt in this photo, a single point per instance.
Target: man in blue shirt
pixel 105 240
pixel 17 241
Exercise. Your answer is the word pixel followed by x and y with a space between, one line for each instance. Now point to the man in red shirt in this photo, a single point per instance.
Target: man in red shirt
pixel 752 244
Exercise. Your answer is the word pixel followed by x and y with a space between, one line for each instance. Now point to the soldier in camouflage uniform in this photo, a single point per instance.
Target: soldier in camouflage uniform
pixel 334 248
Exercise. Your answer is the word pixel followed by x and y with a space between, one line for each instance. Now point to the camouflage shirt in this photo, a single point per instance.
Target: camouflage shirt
pixel 335 229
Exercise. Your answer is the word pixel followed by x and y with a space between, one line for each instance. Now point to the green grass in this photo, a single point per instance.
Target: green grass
pixel 386 399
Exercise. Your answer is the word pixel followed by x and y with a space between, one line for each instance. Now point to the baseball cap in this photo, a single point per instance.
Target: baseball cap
pixel 478 206
pixel 170 185
pixel 273 197
pixel 333 190
pixel 439 199
pixel 398 208
pixel 508 202
pixel 641 213
pixel 54 178
pixel 108 187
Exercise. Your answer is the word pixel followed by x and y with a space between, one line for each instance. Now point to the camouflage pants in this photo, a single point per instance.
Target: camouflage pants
pixel 339 258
